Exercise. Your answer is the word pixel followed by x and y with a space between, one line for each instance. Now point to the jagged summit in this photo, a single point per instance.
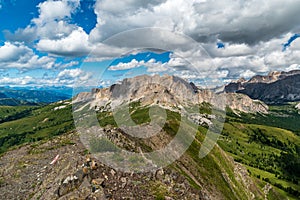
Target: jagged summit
pixel 164 90
pixel 145 84
pixel 273 76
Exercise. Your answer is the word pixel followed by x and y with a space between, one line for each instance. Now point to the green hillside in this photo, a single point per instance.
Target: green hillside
pixel 271 154
pixel 268 145
pixel 23 124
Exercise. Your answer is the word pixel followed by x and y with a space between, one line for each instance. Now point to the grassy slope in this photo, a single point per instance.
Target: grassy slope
pixel 202 173
pixel 262 155
pixel 271 154
pixel 9 113
pixel 283 116
pixel 36 124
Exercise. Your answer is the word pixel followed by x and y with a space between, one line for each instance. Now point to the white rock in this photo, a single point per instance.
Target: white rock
pixel 59 107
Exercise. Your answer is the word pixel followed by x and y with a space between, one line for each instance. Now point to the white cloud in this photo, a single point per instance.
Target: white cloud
pixel 230 50
pixel 229 20
pixel 66 65
pixel 52 22
pixel 22 57
pixel 74 74
pixel 10 52
pixel 17 81
pixel 293 67
pixel 253 33
pixel 152 65
pixel 102 52
pixel 62 29
pixel 55 10
pixel 53 30
pixel 247 74
pixel 25 35
pixel 67 77
pixel 75 44
pixel 123 66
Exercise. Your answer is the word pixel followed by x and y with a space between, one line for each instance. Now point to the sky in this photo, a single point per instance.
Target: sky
pixel 100 42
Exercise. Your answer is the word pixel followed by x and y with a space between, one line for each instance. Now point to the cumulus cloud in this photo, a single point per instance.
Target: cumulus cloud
pixel 247 74
pixel 152 65
pixel 74 44
pixel 253 34
pixel 67 77
pixel 17 55
pixel 231 21
pixel 55 10
pixel 10 52
pixel 51 22
pixel 53 31
pixel 67 64
pixel 124 66
pixel 72 74
pixel 17 80
pixel 72 77
pixel 26 35
pixel 229 50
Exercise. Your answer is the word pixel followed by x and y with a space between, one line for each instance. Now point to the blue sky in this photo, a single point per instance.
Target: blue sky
pixel 62 43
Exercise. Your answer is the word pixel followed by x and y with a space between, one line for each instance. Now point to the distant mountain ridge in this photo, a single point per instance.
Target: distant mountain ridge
pixel 275 88
pixel 23 96
pixel 273 76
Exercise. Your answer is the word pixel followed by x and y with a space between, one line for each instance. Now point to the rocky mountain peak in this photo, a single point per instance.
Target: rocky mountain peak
pixel 241 80
pixel 170 91
pixel 271 77
pixel 143 85
pixel 275 73
pixel 276 87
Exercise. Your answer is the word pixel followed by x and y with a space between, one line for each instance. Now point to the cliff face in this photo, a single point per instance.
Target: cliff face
pixel 276 88
pixel 165 90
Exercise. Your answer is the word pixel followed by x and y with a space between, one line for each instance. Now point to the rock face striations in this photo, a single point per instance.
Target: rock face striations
pixel 169 91
pixel 275 88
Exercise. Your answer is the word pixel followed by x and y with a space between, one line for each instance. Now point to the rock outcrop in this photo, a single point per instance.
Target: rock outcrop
pixel 25 173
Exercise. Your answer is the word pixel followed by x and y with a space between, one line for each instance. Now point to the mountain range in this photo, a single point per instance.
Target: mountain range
pixel 32 96
pixel 170 91
pixel 275 88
